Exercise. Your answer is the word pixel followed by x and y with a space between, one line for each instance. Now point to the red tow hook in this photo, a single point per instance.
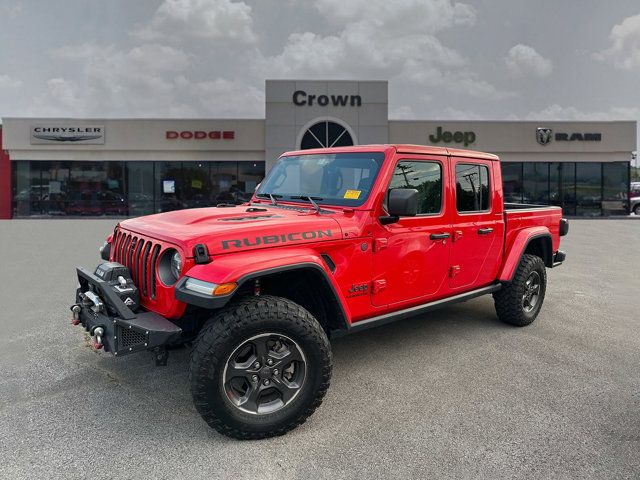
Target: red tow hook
pixel 98 332
pixel 75 320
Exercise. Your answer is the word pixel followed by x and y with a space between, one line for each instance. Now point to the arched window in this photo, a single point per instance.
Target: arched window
pixel 326 134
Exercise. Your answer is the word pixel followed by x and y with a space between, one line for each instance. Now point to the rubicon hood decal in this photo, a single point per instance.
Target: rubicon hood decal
pixel 235 229
pixel 274 239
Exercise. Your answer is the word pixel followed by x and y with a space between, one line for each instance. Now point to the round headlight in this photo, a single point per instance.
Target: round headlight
pixel 170 266
pixel 176 265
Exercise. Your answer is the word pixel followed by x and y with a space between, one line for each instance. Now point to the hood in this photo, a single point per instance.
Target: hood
pixel 232 229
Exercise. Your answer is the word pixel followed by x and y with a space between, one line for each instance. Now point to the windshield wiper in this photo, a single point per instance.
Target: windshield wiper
pixel 271 196
pixel 310 199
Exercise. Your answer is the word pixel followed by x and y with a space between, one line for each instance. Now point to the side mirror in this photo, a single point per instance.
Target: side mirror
pixel 402 202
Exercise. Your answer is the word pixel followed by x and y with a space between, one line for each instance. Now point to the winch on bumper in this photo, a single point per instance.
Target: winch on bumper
pixel 103 308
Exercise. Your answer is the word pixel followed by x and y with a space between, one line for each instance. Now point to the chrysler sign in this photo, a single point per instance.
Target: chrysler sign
pixel 67 134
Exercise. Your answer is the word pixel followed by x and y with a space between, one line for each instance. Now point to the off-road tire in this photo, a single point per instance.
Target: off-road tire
pixel 509 299
pixel 219 338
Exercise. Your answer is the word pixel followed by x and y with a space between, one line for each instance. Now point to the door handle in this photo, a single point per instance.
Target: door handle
pixel 439 236
pixel 485 231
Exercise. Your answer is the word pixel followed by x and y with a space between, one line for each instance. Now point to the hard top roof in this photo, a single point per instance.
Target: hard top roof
pixel 400 148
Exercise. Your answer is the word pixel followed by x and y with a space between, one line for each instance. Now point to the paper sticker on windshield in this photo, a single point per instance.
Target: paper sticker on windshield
pixel 352 194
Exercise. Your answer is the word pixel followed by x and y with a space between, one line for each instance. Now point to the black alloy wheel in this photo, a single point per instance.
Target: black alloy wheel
pixel 531 294
pixel 259 367
pixel 264 373
pixel 519 301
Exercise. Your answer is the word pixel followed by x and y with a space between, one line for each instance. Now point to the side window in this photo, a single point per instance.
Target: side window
pixel 426 177
pixel 472 187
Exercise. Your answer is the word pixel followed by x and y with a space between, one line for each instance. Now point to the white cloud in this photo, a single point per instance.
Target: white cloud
pixel 148 57
pixel 409 15
pixel 202 58
pixel 80 51
pixel 146 80
pixel 229 98
pixel 523 60
pixel 450 113
pixel 11 10
pixel 7 81
pixel 403 112
pixel 387 40
pixel 140 81
pixel 624 51
pixel 558 112
pixel 214 20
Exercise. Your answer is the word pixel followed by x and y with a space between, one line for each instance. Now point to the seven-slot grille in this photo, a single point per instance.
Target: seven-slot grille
pixel 141 256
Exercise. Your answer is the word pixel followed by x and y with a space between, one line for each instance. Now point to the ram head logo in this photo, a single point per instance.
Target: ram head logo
pixel 543 135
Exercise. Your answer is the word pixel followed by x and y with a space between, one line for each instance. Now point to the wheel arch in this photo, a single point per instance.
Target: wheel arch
pixel 303 277
pixel 535 242
pixel 307 284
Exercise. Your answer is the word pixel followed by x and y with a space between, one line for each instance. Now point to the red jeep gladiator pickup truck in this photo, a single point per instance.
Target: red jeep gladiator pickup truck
pixel 333 241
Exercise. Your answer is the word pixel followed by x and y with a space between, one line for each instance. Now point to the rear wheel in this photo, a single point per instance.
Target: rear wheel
pixel 259 368
pixel 636 209
pixel 520 301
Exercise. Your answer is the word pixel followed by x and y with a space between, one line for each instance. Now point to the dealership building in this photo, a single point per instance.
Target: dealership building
pixel 126 167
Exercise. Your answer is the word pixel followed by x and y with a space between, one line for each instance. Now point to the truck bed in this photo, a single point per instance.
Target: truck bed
pixel 518 216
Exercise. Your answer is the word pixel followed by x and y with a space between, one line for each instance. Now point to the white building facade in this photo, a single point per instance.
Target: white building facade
pixel 128 167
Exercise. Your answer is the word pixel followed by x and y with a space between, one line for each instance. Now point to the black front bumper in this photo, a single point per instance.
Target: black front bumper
pixel 123 331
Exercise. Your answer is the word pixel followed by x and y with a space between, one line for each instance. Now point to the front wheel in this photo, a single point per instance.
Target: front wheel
pixel 259 368
pixel 519 301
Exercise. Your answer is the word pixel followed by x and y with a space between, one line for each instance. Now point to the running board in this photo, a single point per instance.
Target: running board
pixel 418 309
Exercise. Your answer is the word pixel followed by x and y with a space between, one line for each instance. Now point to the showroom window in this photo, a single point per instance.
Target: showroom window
pixel 512 181
pixel 615 188
pixel 584 188
pixel 128 188
pixel 326 134
pixel 140 184
pixel 588 188
pixel 535 177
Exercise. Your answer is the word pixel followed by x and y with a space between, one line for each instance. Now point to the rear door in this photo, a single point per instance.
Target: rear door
pixel 411 256
pixel 478 224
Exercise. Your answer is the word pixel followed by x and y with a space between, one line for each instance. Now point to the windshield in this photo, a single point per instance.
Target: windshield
pixel 337 179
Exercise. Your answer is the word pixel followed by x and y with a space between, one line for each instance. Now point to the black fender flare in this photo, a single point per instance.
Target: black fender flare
pixel 214 303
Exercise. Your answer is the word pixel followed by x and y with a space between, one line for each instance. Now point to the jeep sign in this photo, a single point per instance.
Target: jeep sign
pixel 465 138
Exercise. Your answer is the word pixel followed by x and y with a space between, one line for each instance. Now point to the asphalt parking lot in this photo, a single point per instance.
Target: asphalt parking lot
pixel 453 394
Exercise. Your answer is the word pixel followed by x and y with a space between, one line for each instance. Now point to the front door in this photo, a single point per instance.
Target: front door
pixel 478 225
pixel 411 257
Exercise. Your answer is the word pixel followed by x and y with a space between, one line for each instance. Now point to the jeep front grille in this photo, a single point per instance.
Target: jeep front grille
pixel 140 255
